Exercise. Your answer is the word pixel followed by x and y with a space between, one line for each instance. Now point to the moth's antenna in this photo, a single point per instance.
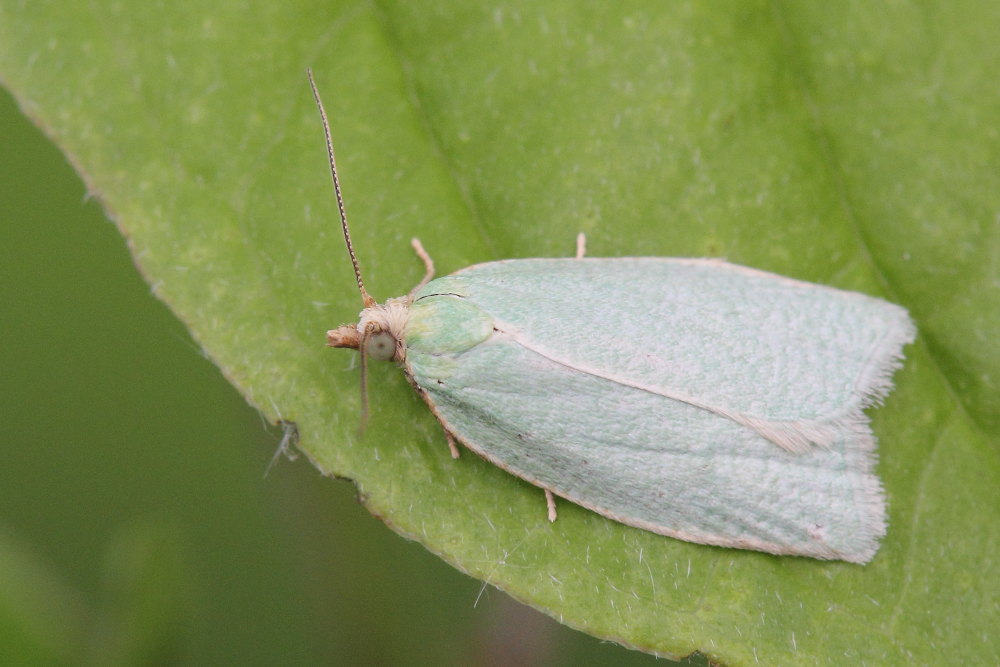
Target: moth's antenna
pixel 364 393
pixel 365 297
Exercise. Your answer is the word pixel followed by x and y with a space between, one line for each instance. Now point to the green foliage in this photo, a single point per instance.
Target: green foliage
pixel 850 144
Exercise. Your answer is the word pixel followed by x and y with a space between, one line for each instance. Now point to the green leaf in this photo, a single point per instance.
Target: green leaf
pixel 849 144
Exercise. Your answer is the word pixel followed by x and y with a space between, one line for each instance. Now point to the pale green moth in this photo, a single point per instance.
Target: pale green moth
pixel 692 398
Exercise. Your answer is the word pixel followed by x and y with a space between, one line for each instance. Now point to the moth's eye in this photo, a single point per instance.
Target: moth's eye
pixel 380 346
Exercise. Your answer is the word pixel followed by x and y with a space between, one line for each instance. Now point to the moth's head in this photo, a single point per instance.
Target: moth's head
pixel 380 333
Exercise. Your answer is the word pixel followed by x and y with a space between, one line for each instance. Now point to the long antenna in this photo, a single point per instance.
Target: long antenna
pixel 365 297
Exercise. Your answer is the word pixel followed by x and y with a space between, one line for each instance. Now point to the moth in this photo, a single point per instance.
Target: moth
pixel 692 398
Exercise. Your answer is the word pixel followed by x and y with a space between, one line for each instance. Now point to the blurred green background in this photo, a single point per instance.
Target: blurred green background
pixel 138 525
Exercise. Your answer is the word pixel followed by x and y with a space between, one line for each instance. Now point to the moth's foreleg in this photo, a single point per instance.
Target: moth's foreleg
pixel 418 247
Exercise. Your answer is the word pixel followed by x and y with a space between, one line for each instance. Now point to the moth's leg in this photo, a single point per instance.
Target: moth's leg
pixel 581 245
pixel 550 502
pixel 452 447
pixel 418 247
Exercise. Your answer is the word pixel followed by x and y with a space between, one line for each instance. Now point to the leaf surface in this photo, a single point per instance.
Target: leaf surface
pixel 852 145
